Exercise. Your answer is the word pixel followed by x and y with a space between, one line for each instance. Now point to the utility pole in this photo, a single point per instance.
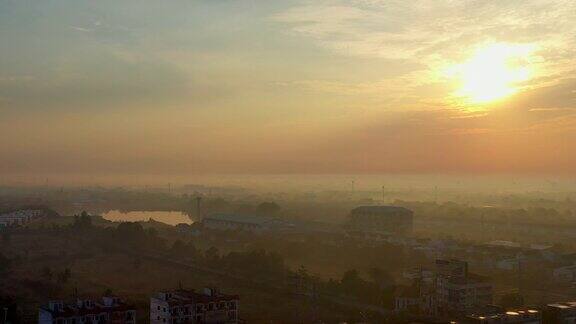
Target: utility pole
pixel 198 207
pixel 483 234
pixel 383 194
pixel 520 277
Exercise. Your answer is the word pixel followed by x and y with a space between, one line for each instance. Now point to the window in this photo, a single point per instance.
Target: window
pixel 158 307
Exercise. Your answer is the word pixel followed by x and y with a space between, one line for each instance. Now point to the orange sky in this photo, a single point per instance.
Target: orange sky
pixel 288 87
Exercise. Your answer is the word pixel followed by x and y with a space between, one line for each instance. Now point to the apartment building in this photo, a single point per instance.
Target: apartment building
pixel 108 310
pixel 188 306
pixel 458 290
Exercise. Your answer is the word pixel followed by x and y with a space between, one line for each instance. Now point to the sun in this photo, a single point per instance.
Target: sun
pixel 492 73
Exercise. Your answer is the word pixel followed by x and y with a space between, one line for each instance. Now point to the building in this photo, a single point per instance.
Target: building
pixel 415 299
pixel 565 274
pixel 110 310
pixel 458 290
pixel 407 299
pixel 559 313
pixel 419 297
pixel 508 264
pixel 252 223
pixel 19 217
pixel 451 268
pixel 378 220
pixel 188 306
pixel 419 274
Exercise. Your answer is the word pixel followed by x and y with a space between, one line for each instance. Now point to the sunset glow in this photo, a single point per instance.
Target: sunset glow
pixel 179 87
pixel 493 72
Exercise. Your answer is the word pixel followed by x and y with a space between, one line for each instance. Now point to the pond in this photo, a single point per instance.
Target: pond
pixel 168 217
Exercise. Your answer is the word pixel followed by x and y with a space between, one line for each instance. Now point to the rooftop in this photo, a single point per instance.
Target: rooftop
pixel 381 209
pixel 240 218
pixel 73 309
pixel 185 297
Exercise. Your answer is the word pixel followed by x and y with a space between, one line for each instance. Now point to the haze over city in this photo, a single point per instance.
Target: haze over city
pixel 288 161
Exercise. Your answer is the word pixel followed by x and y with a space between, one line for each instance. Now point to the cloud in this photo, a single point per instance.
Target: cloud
pixel 103 80
pixel 410 29
pixel 432 35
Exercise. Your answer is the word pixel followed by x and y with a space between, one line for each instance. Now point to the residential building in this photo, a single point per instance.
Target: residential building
pixel 458 290
pixel 419 274
pixel 565 274
pixel 109 310
pixel 373 220
pixel 559 313
pixel 19 217
pixel 415 299
pixel 407 299
pixel 187 306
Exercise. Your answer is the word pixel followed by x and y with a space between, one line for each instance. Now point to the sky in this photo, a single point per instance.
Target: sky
pixel 291 86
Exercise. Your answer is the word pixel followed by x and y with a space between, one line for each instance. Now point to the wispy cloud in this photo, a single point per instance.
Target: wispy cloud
pixel 416 29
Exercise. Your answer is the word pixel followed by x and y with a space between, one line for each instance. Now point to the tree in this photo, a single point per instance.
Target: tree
pixel 212 254
pixel 352 284
pixel 350 276
pixel 303 272
pixel 47 273
pixel 512 300
pixel 178 248
pixel 130 230
pixel 6 237
pixel 244 209
pixel 267 208
pixel 380 277
pixel 82 221
pixel 152 232
pixel 4 263
pixel 65 275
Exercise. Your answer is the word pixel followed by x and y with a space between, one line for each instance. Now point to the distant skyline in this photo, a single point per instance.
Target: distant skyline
pixel 276 87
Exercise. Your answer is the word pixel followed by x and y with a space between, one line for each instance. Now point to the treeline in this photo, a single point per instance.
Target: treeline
pixel 375 286
pixel 540 216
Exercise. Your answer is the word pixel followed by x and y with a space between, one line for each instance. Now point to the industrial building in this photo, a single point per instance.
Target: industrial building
pixel 251 223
